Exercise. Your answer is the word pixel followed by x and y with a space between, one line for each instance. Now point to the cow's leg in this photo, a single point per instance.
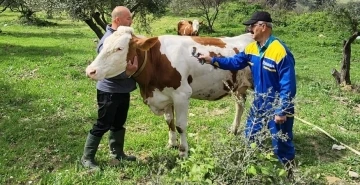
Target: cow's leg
pixel 169 118
pixel 181 107
pixel 239 107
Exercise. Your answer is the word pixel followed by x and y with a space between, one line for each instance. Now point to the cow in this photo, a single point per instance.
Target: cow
pixel 169 75
pixel 189 28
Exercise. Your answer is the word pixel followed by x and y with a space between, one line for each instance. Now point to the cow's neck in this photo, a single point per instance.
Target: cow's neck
pixel 141 74
pixel 141 64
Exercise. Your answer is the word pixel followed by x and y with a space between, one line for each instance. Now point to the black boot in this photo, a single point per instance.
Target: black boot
pixel 116 143
pixel 91 146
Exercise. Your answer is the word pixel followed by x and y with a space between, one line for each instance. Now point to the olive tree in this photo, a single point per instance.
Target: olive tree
pixel 346 16
pixel 96 13
pixel 207 9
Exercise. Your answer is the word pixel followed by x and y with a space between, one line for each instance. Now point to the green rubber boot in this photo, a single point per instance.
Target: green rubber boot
pixel 116 144
pixel 90 148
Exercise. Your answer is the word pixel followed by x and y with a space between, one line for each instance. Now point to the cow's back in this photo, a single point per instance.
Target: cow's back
pixel 206 81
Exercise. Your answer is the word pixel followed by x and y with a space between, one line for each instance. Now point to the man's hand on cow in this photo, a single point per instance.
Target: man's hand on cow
pixel 131 67
pixel 207 58
pixel 280 119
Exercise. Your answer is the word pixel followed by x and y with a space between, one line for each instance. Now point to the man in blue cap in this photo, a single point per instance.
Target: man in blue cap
pixel 273 70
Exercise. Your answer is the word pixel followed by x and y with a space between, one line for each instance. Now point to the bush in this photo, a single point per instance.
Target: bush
pixel 233 14
pixel 225 159
pixel 312 22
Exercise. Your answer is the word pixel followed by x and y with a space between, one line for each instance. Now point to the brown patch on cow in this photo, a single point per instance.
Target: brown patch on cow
pixel 185 28
pixel 158 72
pixel 236 50
pixel 209 41
pixel 179 130
pixel 190 79
pixel 171 124
pixel 212 54
pixel 230 85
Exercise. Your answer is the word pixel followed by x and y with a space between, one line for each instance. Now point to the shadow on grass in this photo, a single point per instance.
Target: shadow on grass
pixel 316 148
pixel 36 137
pixel 53 34
pixel 301 78
pixel 16 108
pixel 10 51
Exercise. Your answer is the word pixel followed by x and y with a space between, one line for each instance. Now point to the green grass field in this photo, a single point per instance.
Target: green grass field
pixel 47 106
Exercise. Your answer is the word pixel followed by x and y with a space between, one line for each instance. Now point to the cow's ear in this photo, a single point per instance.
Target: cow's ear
pixel 146 43
pixel 202 22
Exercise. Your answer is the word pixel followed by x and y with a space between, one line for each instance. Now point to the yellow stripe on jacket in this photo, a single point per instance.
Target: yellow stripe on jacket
pixel 275 52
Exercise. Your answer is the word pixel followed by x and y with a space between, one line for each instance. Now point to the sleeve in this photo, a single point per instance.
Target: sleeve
pixel 287 82
pixel 237 62
pixel 99 47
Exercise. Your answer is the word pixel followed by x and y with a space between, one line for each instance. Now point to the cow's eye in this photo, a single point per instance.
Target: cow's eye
pixel 119 49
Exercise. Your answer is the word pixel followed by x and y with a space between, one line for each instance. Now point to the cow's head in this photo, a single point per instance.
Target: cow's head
pixel 118 48
pixel 195 26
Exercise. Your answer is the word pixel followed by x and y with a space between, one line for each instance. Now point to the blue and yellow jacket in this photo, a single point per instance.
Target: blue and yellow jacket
pixel 273 71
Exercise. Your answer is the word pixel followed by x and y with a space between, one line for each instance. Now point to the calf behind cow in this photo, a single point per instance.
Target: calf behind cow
pixel 189 28
pixel 169 75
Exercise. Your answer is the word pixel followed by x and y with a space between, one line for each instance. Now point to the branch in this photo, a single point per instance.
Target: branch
pixel 336 75
pixel 7 6
pixel 323 131
pixel 351 39
pixel 96 17
pixel 133 9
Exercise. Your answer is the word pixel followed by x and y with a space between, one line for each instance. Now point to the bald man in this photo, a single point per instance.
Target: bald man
pixel 113 99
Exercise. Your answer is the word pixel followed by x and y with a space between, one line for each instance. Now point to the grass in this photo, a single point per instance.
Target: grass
pixel 48 106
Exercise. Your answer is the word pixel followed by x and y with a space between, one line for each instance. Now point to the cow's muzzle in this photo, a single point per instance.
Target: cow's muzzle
pixel 90 72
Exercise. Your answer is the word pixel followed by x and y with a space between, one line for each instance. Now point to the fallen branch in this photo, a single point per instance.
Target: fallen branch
pixel 323 131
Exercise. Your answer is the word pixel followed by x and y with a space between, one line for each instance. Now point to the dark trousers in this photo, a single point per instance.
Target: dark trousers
pixel 112 112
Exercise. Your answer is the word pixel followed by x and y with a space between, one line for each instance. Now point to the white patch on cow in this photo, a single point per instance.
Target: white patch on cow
pixel 195 25
pixel 207 83
pixel 169 118
pixel 111 61
pixel 160 100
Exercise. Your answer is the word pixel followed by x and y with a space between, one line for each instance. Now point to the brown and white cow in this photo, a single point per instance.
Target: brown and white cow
pixel 169 75
pixel 188 28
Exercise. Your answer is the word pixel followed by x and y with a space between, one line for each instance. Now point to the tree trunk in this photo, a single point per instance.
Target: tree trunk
pixel 344 75
pixel 94 27
pixel 98 20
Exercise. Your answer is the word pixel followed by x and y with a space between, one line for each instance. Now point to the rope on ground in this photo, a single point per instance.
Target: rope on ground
pixel 323 131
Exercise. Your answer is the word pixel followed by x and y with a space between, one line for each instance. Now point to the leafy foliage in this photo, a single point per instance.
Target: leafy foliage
pixel 207 9
pixel 346 16
pixel 280 4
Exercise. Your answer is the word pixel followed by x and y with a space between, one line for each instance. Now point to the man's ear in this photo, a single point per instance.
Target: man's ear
pixel 145 43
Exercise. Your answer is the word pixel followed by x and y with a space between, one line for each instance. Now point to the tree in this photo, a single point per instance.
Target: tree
pixel 281 4
pixel 346 16
pixel 28 8
pixel 208 9
pixel 322 4
pixel 21 6
pixel 94 13
pixel 343 77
